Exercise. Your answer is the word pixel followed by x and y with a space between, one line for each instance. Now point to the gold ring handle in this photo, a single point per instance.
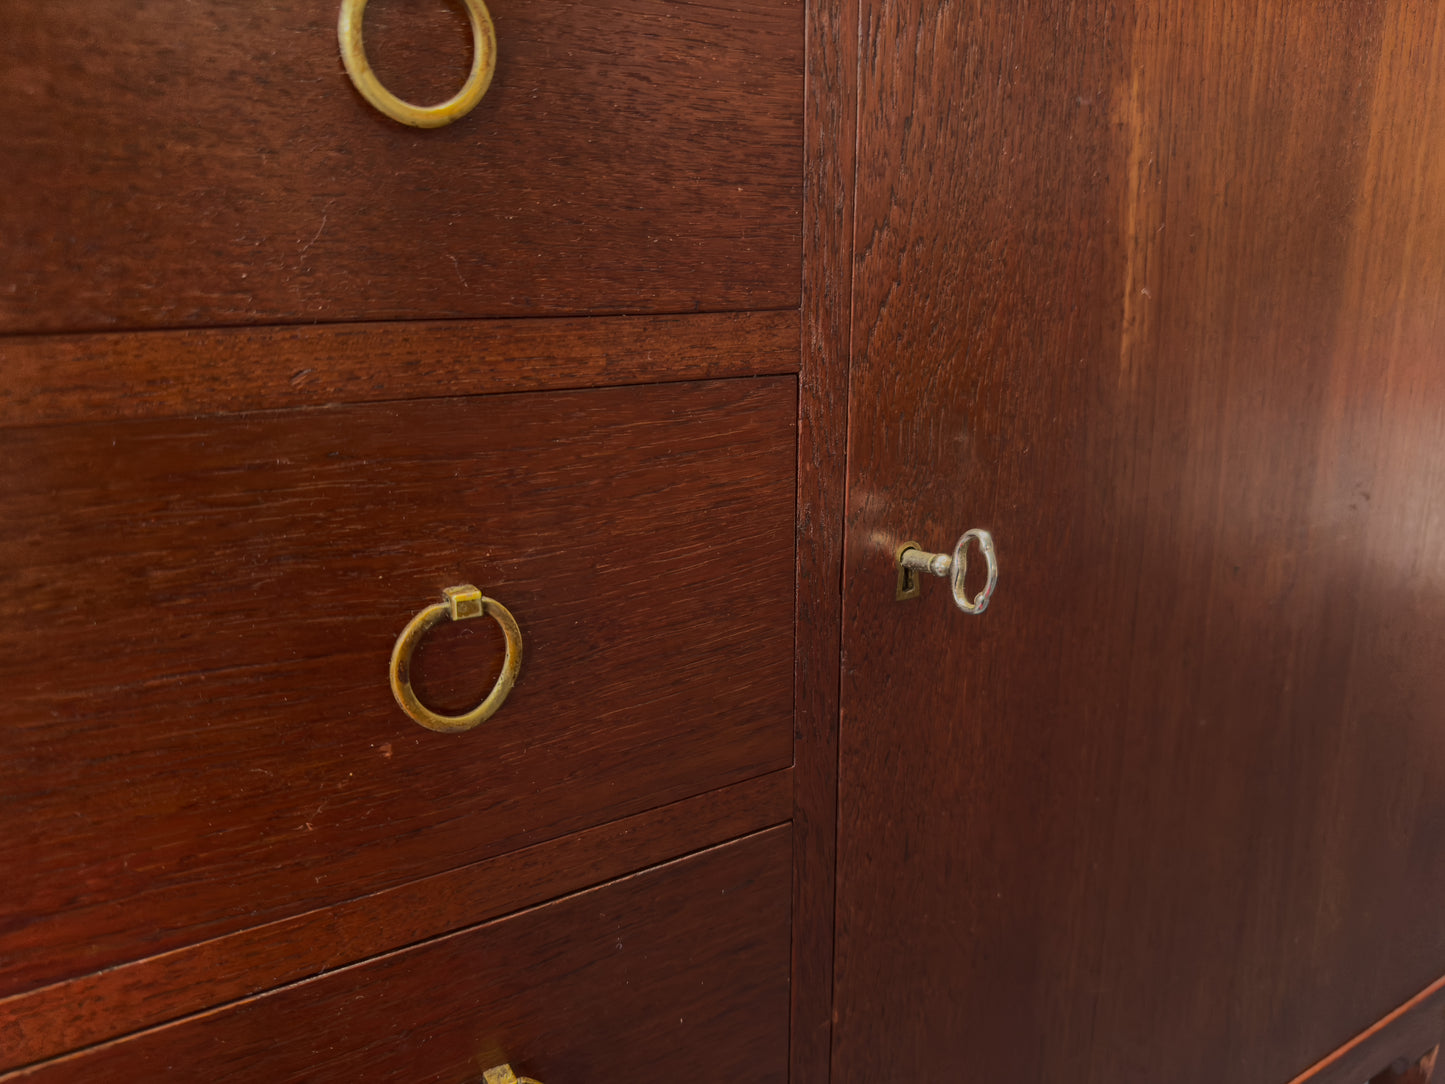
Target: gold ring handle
pixel 459 604
pixel 484 64
pixel 502 1074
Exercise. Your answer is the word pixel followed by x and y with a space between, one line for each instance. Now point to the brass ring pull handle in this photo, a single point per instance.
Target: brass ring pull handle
pixel 484 64
pixel 459 604
pixel 503 1074
pixel 912 560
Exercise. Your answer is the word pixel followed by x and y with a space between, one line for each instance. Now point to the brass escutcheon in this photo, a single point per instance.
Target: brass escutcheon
pixel 484 64
pixel 502 1074
pixel 458 604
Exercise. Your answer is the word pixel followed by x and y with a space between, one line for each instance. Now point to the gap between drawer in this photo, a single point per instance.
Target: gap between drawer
pixel 91 1009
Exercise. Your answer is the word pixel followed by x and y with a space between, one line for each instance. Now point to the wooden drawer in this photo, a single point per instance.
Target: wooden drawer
pixel 677 974
pixel 197 617
pixel 184 163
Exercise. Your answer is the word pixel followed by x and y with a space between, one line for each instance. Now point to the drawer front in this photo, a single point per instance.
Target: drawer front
pixel 197 617
pixel 184 163
pixel 677 974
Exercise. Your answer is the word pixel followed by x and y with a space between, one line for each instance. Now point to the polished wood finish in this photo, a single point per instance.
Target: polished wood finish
pixel 48 1021
pixel 238 314
pixel 55 378
pixel 1156 294
pixel 185 164
pixel 822 450
pixel 200 736
pixel 679 974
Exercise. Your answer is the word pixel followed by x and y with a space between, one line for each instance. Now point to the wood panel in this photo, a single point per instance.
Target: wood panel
pixel 81 1012
pixel 198 615
pixel 176 163
pixel 679 973
pixel 822 449
pixel 975 767
pixel 57 378
pixel 1155 294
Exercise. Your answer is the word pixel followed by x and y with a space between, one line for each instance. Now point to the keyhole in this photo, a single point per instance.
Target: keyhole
pixel 909 585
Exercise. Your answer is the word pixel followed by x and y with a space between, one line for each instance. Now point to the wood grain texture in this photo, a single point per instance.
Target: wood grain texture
pixel 177 163
pixel 1155 294
pixel 679 973
pixel 198 615
pixel 1417 1024
pixel 57 378
pixel 82 1012
pixel 822 449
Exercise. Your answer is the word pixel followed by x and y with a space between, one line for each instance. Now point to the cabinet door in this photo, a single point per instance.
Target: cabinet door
pixel 1155 293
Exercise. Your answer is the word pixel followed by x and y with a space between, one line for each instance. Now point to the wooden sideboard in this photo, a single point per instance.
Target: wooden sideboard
pixel 669 346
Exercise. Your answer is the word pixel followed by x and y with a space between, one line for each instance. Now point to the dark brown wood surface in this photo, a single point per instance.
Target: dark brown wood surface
pixel 81 1012
pixel 198 614
pixel 680 973
pixel 55 378
pixel 176 163
pixel 823 412
pixel 1156 294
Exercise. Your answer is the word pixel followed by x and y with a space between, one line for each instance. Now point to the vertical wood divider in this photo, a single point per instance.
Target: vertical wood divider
pixel 830 137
